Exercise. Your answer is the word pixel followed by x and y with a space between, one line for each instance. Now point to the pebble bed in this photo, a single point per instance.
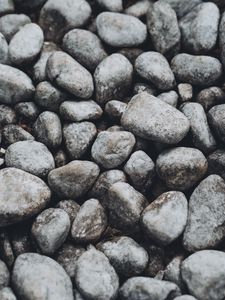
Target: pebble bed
pixel 112 156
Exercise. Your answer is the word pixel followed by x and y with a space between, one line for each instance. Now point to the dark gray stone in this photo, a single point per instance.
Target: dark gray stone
pixel 182 7
pixel 70 207
pixel 27 110
pixel 7 115
pixel 217 121
pixel 210 97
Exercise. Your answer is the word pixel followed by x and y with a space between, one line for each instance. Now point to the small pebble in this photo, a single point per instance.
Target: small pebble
pixel 185 91
pixel 138 9
pixel 169 97
pixel 111 5
pixel 114 109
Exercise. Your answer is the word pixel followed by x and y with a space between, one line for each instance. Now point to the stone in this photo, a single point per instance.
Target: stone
pixel 7 6
pixel 31 196
pixel 113 78
pixel 4 49
pixel 115 5
pixel 27 110
pixel 216 121
pixel 59 16
pixel 37 276
pixel 205 226
pixel 182 7
pixel 202 136
pixel 155 120
pixel 170 98
pixel 70 207
pixel 76 111
pixel 172 272
pixel 111 149
pixel 130 53
pixel 203 273
pixel 185 91
pixel 30 156
pixel 222 38
pixel 216 162
pixel 120 30
pixel 125 255
pixel 15 85
pixel 198 70
pixel 165 218
pixel 85 47
pixel 114 109
pixel 163 28
pixel 48 130
pixel 50 229
pixel 154 67
pixel 7 294
pixel 181 167
pixel 74 179
pixel 26 44
pixel 185 297
pixel 138 9
pixel 4 275
pixel 89 223
pixel 68 74
pixel 7 115
pixel 94 276
pixel 210 97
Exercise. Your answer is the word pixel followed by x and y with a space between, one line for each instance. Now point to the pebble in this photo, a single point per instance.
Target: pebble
pixel 120 30
pixel 172 272
pixel 59 16
pixel 185 91
pixel 165 218
pixel 203 273
pixel 26 44
pixel 155 120
pixel 50 229
pixel 148 288
pixel 7 115
pixel 205 225
pixel 85 47
pixel 89 223
pixel 210 97
pixel 76 111
pixel 7 294
pixel 125 206
pixel 70 207
pixel 30 156
pixel 4 275
pixel 222 38
pixel 138 9
pixel 216 162
pixel 113 78
pixel 182 8
pixel 154 67
pixel 115 5
pixel 185 297
pixel 126 256
pixel 31 196
pixel 170 98
pixel 199 28
pixel 196 69
pixel 163 28
pixel 74 179
pixel 27 110
pixel 47 129
pixel 37 276
pixel 114 109
pixel 95 277
pixel 202 136
pixel 217 121
pixel 4 49
pixel 68 74
pixel 181 167
pixel 15 85
pixel 111 149
pixel 7 6
pixel 10 24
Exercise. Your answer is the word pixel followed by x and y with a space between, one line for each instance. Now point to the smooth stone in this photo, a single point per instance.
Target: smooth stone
pixel 120 30
pixel 216 162
pixel 15 85
pixel 217 121
pixel 114 109
pixel 185 91
pixel 70 207
pixel 74 179
pixel 138 9
pixel 4 275
pixel 210 97
pixel 31 196
pixel 111 5
pixel 36 276
pixel 205 226
pixel 185 297
pixel 172 272
pixel 7 294
pixel 7 6
pixel 68 74
pixel 182 7
pixel 4 50
pixel 153 119
pixel 170 98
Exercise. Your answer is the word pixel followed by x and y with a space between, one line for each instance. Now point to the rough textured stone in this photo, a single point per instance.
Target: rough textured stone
pixel 138 9
pixel 114 109
pixel 216 162
pixel 7 115
pixel 172 272
pixel 70 207
pixel 4 50
pixel 185 91
pixel 182 7
pixel 14 133
pixel 210 97
pixel 27 110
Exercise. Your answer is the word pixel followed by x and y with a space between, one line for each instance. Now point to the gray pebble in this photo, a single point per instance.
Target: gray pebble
pixel 210 97
pixel 14 133
pixel 222 38
pixel 196 69
pixel 111 5
pixel 94 276
pixel 201 134
pixel 50 229
pixel 205 225
pixel 26 44
pixel 67 257
pixel 217 121
pixel 154 67
pixel 4 50
pixel 89 223
pixel 185 91
pixel 31 195
pixel 216 162
pixel 85 47
pixel 4 275
pixel 182 7
pixel 30 156
pixel 60 158
pixel 37 276
pixel 140 87
pixel 130 53
pixel 199 28
pixel 126 256
pixel 74 179
pixel 120 30
pixel 59 16
pixel 148 288
pixel 68 74
pixel 153 119
pixel 165 218
pixel 203 273
pixel 138 9
pixel 47 129
pixel 172 272
pixel 163 28
pixel 113 78
pixel 70 207
pixel 185 297
pixel 76 111
pixel 78 137
pixel 27 110
pixel 7 6
pixel 11 23
pixel 111 149
pixel 7 294
pixel 169 97
pixel 15 85
pixel 7 115
pixel 181 167
pixel 114 109
pixel 125 206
